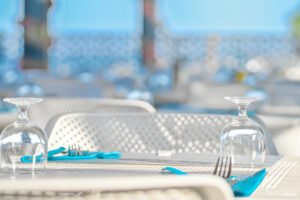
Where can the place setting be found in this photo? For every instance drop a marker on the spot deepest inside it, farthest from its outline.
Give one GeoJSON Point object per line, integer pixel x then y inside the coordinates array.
{"type": "Point", "coordinates": [241, 159]}
{"type": "Point", "coordinates": [149, 99]}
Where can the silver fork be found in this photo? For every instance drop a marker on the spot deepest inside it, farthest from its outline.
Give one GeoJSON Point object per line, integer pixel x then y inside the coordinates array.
{"type": "Point", "coordinates": [74, 150]}
{"type": "Point", "coordinates": [223, 167]}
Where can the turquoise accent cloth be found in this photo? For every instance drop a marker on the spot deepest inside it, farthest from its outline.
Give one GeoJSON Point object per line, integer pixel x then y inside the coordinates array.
{"type": "Point", "coordinates": [174, 170]}
{"type": "Point", "coordinates": [28, 159]}
{"type": "Point", "coordinates": [246, 187]}
{"type": "Point", "coordinates": [86, 155]}
{"type": "Point", "coordinates": [241, 188]}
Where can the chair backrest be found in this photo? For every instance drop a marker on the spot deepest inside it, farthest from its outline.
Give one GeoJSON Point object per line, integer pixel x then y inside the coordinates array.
{"type": "Point", "coordinates": [140, 133]}
{"type": "Point", "coordinates": [196, 187]}
{"type": "Point", "coordinates": [51, 108]}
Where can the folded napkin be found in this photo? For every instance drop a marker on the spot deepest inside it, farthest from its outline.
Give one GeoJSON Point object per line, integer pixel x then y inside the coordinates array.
{"type": "Point", "coordinates": [247, 186]}
{"type": "Point", "coordinates": [173, 170]}
{"type": "Point", "coordinates": [88, 156]}
{"type": "Point", "coordinates": [85, 155]}
{"type": "Point", "coordinates": [241, 188]}
{"type": "Point", "coordinates": [28, 159]}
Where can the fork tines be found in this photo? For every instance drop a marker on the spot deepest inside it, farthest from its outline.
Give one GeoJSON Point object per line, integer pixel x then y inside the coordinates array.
{"type": "Point", "coordinates": [74, 150]}
{"type": "Point", "coordinates": [223, 167]}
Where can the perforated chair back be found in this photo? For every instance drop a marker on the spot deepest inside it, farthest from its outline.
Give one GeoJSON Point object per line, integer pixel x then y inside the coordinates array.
{"type": "Point", "coordinates": [46, 112]}
{"type": "Point", "coordinates": [141, 133]}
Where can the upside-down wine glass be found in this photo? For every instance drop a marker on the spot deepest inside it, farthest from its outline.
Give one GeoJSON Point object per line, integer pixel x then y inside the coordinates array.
{"type": "Point", "coordinates": [243, 139]}
{"type": "Point", "coordinates": [23, 139]}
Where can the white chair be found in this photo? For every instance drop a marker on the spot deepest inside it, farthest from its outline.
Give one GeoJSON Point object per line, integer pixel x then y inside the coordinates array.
{"type": "Point", "coordinates": [197, 187]}
{"type": "Point", "coordinates": [141, 133]}
{"type": "Point", "coordinates": [47, 111]}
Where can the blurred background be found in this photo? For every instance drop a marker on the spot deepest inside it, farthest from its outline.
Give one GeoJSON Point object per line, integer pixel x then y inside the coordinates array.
{"type": "Point", "coordinates": [175, 54]}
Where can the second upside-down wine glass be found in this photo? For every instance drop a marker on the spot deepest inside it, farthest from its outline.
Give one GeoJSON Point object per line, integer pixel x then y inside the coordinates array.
{"type": "Point", "coordinates": [243, 139]}
{"type": "Point", "coordinates": [23, 139]}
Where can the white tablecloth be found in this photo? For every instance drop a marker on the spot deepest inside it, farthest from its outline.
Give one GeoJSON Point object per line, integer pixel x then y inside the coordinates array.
{"type": "Point", "coordinates": [282, 180]}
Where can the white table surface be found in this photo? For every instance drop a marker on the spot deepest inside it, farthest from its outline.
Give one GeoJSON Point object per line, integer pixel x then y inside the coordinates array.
{"type": "Point", "coordinates": [282, 180]}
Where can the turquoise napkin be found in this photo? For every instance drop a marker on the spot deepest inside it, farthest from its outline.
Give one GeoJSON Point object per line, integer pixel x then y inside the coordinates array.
{"type": "Point", "coordinates": [241, 188]}
{"type": "Point", "coordinates": [173, 170]}
{"type": "Point", "coordinates": [87, 155]}
{"type": "Point", "coordinates": [51, 153]}
{"type": "Point", "coordinates": [246, 187]}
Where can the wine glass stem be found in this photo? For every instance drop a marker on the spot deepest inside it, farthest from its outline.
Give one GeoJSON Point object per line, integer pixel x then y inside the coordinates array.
{"type": "Point", "coordinates": [243, 110]}
{"type": "Point", "coordinates": [22, 114]}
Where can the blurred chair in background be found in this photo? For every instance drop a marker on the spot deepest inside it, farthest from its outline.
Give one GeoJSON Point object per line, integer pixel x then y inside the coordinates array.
{"type": "Point", "coordinates": [143, 133]}
{"type": "Point", "coordinates": [46, 113]}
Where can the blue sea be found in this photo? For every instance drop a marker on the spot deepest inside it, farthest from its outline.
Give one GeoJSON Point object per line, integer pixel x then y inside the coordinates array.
{"type": "Point", "coordinates": [96, 33]}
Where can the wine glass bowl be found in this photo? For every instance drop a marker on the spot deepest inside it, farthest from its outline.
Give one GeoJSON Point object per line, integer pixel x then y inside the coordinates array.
{"type": "Point", "coordinates": [243, 139]}
{"type": "Point", "coordinates": [23, 138]}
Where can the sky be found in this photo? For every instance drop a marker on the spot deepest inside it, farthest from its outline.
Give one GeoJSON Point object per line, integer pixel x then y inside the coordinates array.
{"type": "Point", "coordinates": [178, 16]}
{"type": "Point", "coordinates": [8, 14]}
